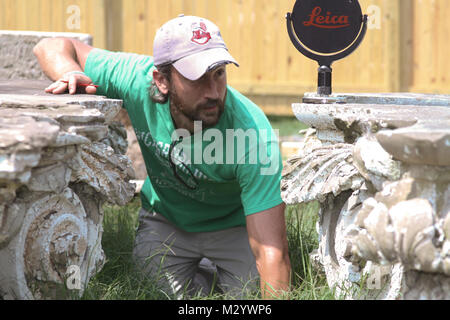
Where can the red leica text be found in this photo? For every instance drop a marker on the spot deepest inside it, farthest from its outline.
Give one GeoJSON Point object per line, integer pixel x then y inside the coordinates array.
{"type": "Point", "coordinates": [326, 22]}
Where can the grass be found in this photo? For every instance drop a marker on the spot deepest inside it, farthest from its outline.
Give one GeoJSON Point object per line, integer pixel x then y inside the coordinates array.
{"type": "Point", "coordinates": [287, 125]}
{"type": "Point", "coordinates": [118, 280]}
{"type": "Point", "coordinates": [307, 282]}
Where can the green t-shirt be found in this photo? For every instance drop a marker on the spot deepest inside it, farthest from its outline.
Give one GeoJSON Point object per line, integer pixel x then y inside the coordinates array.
{"type": "Point", "coordinates": [237, 163]}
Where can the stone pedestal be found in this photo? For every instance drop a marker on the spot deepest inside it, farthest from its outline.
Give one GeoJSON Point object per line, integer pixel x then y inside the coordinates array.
{"type": "Point", "coordinates": [380, 167]}
{"type": "Point", "coordinates": [58, 165]}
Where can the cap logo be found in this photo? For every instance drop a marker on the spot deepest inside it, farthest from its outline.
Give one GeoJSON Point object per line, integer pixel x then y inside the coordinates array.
{"type": "Point", "coordinates": [200, 35]}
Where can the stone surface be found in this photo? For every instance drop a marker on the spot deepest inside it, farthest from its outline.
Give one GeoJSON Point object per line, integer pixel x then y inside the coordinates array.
{"type": "Point", "coordinates": [394, 98]}
{"type": "Point", "coordinates": [357, 120]}
{"type": "Point", "coordinates": [379, 166]}
{"type": "Point", "coordinates": [424, 143]}
{"type": "Point", "coordinates": [56, 171]}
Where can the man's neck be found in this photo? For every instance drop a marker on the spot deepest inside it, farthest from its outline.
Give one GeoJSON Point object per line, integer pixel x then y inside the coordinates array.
{"type": "Point", "coordinates": [180, 120]}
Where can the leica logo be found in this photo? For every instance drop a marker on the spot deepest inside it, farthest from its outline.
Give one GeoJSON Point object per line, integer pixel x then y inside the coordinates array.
{"type": "Point", "coordinates": [326, 22]}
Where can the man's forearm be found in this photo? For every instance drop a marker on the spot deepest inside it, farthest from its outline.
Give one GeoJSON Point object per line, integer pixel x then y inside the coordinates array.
{"type": "Point", "coordinates": [268, 240]}
{"type": "Point", "coordinates": [274, 276]}
{"type": "Point", "coordinates": [56, 57]}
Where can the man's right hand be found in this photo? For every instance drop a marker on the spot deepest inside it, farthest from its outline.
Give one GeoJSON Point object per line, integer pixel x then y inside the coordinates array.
{"type": "Point", "coordinates": [74, 83]}
{"type": "Point", "coordinates": [63, 60]}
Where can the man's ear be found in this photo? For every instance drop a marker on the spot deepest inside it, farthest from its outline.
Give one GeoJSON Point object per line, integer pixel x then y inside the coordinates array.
{"type": "Point", "coordinates": [161, 82]}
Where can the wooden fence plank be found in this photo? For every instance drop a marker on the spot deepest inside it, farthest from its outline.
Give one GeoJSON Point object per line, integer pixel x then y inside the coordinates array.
{"type": "Point", "coordinates": [431, 47]}
{"type": "Point", "coordinates": [113, 24]}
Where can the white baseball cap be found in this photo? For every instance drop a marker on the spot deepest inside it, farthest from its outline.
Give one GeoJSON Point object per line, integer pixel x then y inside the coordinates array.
{"type": "Point", "coordinates": [192, 44]}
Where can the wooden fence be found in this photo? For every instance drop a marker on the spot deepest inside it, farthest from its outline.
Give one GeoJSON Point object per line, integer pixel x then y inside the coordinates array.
{"type": "Point", "coordinates": [406, 47]}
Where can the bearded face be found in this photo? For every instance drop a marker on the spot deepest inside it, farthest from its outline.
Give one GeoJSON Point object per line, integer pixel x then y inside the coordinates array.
{"type": "Point", "coordinates": [208, 112]}
{"type": "Point", "coordinates": [200, 100]}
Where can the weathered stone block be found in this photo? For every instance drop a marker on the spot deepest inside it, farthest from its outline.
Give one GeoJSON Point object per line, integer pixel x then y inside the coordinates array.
{"type": "Point", "coordinates": [55, 174]}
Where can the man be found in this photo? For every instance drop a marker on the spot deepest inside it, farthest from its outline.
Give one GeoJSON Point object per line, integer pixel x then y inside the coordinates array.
{"type": "Point", "coordinates": [218, 200]}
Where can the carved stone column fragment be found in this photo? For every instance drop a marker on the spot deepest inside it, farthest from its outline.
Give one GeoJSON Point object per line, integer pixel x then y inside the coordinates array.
{"type": "Point", "coordinates": [56, 172]}
{"type": "Point", "coordinates": [380, 167]}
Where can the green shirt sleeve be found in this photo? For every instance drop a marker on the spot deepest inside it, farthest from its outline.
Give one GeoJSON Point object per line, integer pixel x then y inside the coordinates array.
{"type": "Point", "coordinates": [260, 181]}
{"type": "Point", "coordinates": [118, 74]}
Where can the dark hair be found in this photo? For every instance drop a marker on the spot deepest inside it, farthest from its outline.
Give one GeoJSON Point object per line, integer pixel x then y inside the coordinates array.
{"type": "Point", "coordinates": [155, 94]}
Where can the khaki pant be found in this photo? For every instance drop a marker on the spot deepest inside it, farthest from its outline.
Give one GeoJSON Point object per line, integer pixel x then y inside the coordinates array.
{"type": "Point", "coordinates": [185, 263]}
